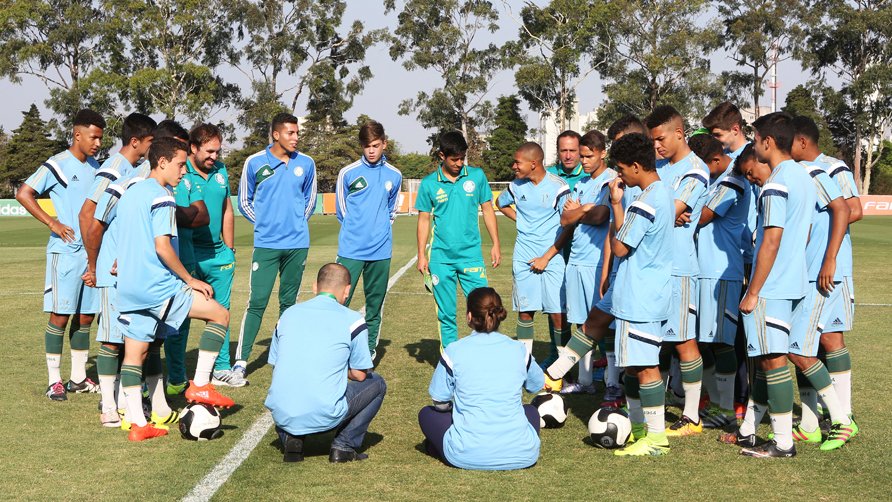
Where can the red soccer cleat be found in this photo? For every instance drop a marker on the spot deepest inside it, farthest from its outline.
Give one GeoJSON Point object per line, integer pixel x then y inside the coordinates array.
{"type": "Point", "coordinates": [207, 394]}
{"type": "Point", "coordinates": [147, 431]}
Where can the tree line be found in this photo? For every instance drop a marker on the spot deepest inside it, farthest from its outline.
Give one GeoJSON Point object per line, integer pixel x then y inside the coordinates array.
{"type": "Point", "coordinates": [170, 58]}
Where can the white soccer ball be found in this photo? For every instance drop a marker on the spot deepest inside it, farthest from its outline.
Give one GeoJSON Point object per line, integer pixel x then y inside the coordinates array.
{"type": "Point", "coordinates": [200, 422]}
{"type": "Point", "coordinates": [552, 410]}
{"type": "Point", "coordinates": [610, 427]}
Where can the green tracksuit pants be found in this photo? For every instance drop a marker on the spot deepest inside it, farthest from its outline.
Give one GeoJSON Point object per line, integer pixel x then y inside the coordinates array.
{"type": "Point", "coordinates": [445, 278]}
{"type": "Point", "coordinates": [374, 283]}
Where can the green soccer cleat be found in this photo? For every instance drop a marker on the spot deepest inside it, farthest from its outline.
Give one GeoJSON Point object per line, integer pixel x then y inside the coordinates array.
{"type": "Point", "coordinates": [714, 417]}
{"type": "Point", "coordinates": [648, 446]}
{"type": "Point", "coordinates": [840, 434]}
{"type": "Point", "coordinates": [803, 436]}
{"type": "Point", "coordinates": [175, 389]}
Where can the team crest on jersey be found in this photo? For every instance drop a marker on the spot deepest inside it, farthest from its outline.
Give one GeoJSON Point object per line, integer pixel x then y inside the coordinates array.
{"type": "Point", "coordinates": [434, 279]}
{"type": "Point", "coordinates": [388, 185]}
{"type": "Point", "coordinates": [469, 186]}
{"type": "Point", "coordinates": [358, 185]}
{"type": "Point", "coordinates": [219, 178]}
{"type": "Point", "coordinates": [187, 184]}
{"type": "Point", "coordinates": [298, 171]}
{"type": "Point", "coordinates": [255, 266]}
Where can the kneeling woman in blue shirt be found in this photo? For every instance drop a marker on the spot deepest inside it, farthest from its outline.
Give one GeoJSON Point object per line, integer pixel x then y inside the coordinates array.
{"type": "Point", "coordinates": [478, 420]}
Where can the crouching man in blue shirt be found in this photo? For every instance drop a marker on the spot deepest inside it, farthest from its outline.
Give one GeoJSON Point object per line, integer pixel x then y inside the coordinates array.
{"type": "Point", "coordinates": [321, 372]}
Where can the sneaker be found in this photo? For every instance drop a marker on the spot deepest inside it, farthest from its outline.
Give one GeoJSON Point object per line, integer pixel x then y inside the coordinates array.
{"type": "Point", "coordinates": [768, 450]}
{"type": "Point", "coordinates": [293, 447]}
{"type": "Point", "coordinates": [578, 388]}
{"type": "Point", "coordinates": [552, 385]}
{"type": "Point", "coordinates": [207, 394]}
{"type": "Point", "coordinates": [147, 431]}
{"type": "Point", "coordinates": [684, 427]}
{"type": "Point", "coordinates": [714, 417]}
{"type": "Point", "coordinates": [736, 438]}
{"type": "Point", "coordinates": [646, 446]}
{"type": "Point", "coordinates": [175, 389]}
{"type": "Point", "coordinates": [57, 392]}
{"type": "Point", "coordinates": [86, 387]}
{"type": "Point", "coordinates": [800, 434]}
{"type": "Point", "coordinates": [164, 422]}
{"type": "Point", "coordinates": [239, 369]}
{"type": "Point", "coordinates": [110, 419]}
{"type": "Point", "coordinates": [840, 434]}
{"type": "Point", "coordinates": [220, 378]}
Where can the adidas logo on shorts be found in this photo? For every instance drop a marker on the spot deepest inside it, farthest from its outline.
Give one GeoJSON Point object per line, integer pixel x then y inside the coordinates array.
{"type": "Point", "coordinates": [671, 332]}
{"type": "Point", "coordinates": [74, 178]}
{"type": "Point", "coordinates": [794, 345]}
{"type": "Point", "coordinates": [750, 348]}
{"type": "Point", "coordinates": [836, 322]}
{"type": "Point", "coordinates": [523, 197]}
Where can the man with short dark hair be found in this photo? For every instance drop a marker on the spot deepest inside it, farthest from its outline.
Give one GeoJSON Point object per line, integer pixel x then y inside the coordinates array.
{"type": "Point", "coordinates": [323, 347]}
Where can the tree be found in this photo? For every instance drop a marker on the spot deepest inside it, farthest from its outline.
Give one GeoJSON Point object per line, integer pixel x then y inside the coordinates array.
{"type": "Point", "coordinates": [853, 41]}
{"type": "Point", "coordinates": [510, 132]}
{"type": "Point", "coordinates": [557, 39]}
{"type": "Point", "coordinates": [414, 165]}
{"type": "Point", "coordinates": [29, 145]}
{"type": "Point", "coordinates": [659, 55]}
{"type": "Point", "coordinates": [882, 179]}
{"type": "Point", "coordinates": [760, 33]}
{"type": "Point", "coordinates": [800, 101]}
{"type": "Point", "coordinates": [441, 35]}
{"type": "Point", "coordinates": [332, 147]}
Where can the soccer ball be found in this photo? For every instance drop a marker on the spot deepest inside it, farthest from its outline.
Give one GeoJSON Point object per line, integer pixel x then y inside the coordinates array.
{"type": "Point", "coordinates": [200, 422]}
{"type": "Point", "coordinates": [610, 427]}
{"type": "Point", "coordinates": [552, 410]}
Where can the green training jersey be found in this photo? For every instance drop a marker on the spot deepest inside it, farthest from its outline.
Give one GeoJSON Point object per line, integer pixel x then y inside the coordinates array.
{"type": "Point", "coordinates": [184, 195]}
{"type": "Point", "coordinates": [453, 205]}
{"type": "Point", "coordinates": [572, 177]}
{"type": "Point", "coordinates": [215, 191]}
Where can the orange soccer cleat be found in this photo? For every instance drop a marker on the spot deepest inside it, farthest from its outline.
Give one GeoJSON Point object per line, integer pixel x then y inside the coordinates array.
{"type": "Point", "coordinates": [207, 394]}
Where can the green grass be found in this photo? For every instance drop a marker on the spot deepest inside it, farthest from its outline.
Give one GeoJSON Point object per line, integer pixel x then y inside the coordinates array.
{"type": "Point", "coordinates": [59, 450]}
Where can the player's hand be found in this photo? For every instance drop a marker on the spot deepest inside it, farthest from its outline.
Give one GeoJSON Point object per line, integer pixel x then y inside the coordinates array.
{"type": "Point", "coordinates": [64, 232]}
{"type": "Point", "coordinates": [825, 276]}
{"type": "Point", "coordinates": [202, 287]}
{"type": "Point", "coordinates": [422, 264]}
{"type": "Point", "coordinates": [496, 255]}
{"type": "Point", "coordinates": [683, 219]}
{"type": "Point", "coordinates": [114, 269]}
{"type": "Point", "coordinates": [539, 264]}
{"type": "Point", "coordinates": [89, 278]}
{"type": "Point", "coordinates": [748, 304]}
{"type": "Point", "coordinates": [617, 188]}
{"type": "Point", "coordinates": [571, 204]}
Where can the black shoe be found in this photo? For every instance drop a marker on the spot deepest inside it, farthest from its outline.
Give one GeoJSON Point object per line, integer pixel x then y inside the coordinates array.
{"type": "Point", "coordinates": [337, 456]}
{"type": "Point", "coordinates": [294, 448]}
{"type": "Point", "coordinates": [736, 438]}
{"type": "Point", "coordinates": [769, 450]}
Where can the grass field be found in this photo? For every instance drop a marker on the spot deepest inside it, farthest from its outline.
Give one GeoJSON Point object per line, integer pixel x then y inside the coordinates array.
{"type": "Point", "coordinates": [59, 450]}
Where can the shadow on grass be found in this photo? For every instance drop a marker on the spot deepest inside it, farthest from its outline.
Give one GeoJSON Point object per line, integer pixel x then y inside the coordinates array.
{"type": "Point", "coordinates": [425, 351]}
{"type": "Point", "coordinates": [320, 444]}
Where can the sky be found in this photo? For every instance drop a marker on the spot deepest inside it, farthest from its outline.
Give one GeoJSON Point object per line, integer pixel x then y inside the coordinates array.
{"type": "Point", "coordinates": [391, 83]}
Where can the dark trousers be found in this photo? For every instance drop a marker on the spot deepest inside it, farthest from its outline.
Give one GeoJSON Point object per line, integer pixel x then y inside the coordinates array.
{"type": "Point", "coordinates": [434, 425]}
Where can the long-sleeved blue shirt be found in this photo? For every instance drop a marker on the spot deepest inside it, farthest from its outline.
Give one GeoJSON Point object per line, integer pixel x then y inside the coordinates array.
{"type": "Point", "coordinates": [367, 196]}
{"type": "Point", "coordinates": [278, 198]}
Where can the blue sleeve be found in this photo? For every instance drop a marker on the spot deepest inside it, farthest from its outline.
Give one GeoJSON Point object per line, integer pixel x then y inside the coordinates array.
{"type": "Point", "coordinates": [106, 207]}
{"type": "Point", "coordinates": [845, 179]}
{"type": "Point", "coordinates": [725, 195]}
{"type": "Point", "coordinates": [341, 196]}
{"type": "Point", "coordinates": [773, 201]}
{"type": "Point", "coordinates": [535, 380]}
{"type": "Point", "coordinates": [423, 202]}
{"type": "Point", "coordinates": [506, 198]}
{"type": "Point", "coordinates": [639, 218]}
{"type": "Point", "coordinates": [274, 347]}
{"type": "Point", "coordinates": [360, 357]}
{"type": "Point", "coordinates": [46, 177]}
{"type": "Point", "coordinates": [246, 193]}
{"type": "Point", "coordinates": [394, 197]}
{"type": "Point", "coordinates": [164, 216]}
{"type": "Point", "coordinates": [561, 199]}
{"type": "Point", "coordinates": [442, 386]}
{"type": "Point", "coordinates": [309, 190]}
{"type": "Point", "coordinates": [827, 189]}
{"type": "Point", "coordinates": [691, 187]}
{"type": "Point", "coordinates": [103, 179]}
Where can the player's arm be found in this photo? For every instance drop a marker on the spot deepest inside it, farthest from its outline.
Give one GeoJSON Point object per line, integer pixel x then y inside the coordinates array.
{"type": "Point", "coordinates": [194, 215]}
{"type": "Point", "coordinates": [492, 228]}
{"type": "Point", "coordinates": [246, 193]}
{"type": "Point", "coordinates": [539, 264]}
{"type": "Point", "coordinates": [423, 231]}
{"type": "Point", "coordinates": [504, 203]}
{"type": "Point", "coordinates": [442, 387]}
{"type": "Point", "coordinates": [228, 230]}
{"type": "Point", "coordinates": [27, 197]}
{"type": "Point", "coordinates": [92, 234]}
{"type": "Point", "coordinates": [771, 239]}
{"type": "Point", "coordinates": [855, 211]}
{"type": "Point", "coordinates": [169, 257]}
{"type": "Point", "coordinates": [606, 265]}
{"type": "Point", "coordinates": [509, 211]}
{"type": "Point", "coordinates": [617, 246]}
{"type": "Point", "coordinates": [309, 190]}
{"type": "Point", "coordinates": [839, 223]}
{"type": "Point", "coordinates": [394, 198]}
{"type": "Point", "coordinates": [85, 219]}
{"type": "Point", "coordinates": [360, 362]}
{"type": "Point", "coordinates": [846, 182]}
{"type": "Point", "coordinates": [535, 379]}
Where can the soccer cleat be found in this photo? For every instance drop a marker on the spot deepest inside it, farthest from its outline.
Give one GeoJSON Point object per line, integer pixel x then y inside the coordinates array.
{"type": "Point", "coordinates": [736, 438]}
{"type": "Point", "coordinates": [552, 385]}
{"type": "Point", "coordinates": [86, 387]}
{"type": "Point", "coordinates": [613, 397]}
{"type": "Point", "coordinates": [147, 431]}
{"type": "Point", "coordinates": [740, 410]}
{"type": "Point", "coordinates": [57, 392]}
{"type": "Point", "coordinates": [684, 427]}
{"type": "Point", "coordinates": [768, 450]}
{"type": "Point", "coordinates": [714, 417]}
{"type": "Point", "coordinates": [207, 394]}
{"type": "Point", "coordinates": [840, 434]}
{"type": "Point", "coordinates": [175, 389]}
{"type": "Point", "coordinates": [639, 431]}
{"type": "Point", "coordinates": [578, 388]}
{"type": "Point", "coordinates": [648, 446]}
{"type": "Point", "coordinates": [164, 422]}
{"type": "Point", "coordinates": [800, 434]}
{"type": "Point", "coordinates": [110, 419]}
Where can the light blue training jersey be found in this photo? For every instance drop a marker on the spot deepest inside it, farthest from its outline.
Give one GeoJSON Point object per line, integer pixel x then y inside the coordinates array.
{"type": "Point", "coordinates": [718, 242]}
{"type": "Point", "coordinates": [842, 175]}
{"type": "Point", "coordinates": [826, 191]}
{"type": "Point", "coordinates": [114, 168]}
{"type": "Point", "coordinates": [366, 197]}
{"type": "Point", "coordinates": [313, 346]}
{"type": "Point", "coordinates": [278, 198]}
{"type": "Point", "coordinates": [539, 208]}
{"type": "Point", "coordinates": [106, 212]}
{"type": "Point", "coordinates": [688, 178]}
{"type": "Point", "coordinates": [643, 280]}
{"type": "Point", "coordinates": [587, 248]}
{"type": "Point", "coordinates": [68, 182]}
{"type": "Point", "coordinates": [787, 200]}
{"type": "Point", "coordinates": [149, 211]}
{"type": "Point", "coordinates": [483, 375]}
{"type": "Point", "coordinates": [747, 239]}
{"type": "Point", "coordinates": [629, 196]}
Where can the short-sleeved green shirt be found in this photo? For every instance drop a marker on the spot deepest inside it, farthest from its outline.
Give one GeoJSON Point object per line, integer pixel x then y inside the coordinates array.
{"type": "Point", "coordinates": [215, 192]}
{"type": "Point", "coordinates": [185, 194]}
{"type": "Point", "coordinates": [572, 177]}
{"type": "Point", "coordinates": [455, 233]}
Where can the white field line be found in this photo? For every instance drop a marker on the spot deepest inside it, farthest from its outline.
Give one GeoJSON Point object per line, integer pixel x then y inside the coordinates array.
{"type": "Point", "coordinates": [220, 473]}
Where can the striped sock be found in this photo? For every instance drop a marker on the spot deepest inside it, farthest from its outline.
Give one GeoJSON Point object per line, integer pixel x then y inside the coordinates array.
{"type": "Point", "coordinates": [208, 348]}
{"type": "Point", "coordinates": [80, 351]}
{"type": "Point", "coordinates": [692, 381]}
{"type": "Point", "coordinates": [53, 340]}
{"type": "Point", "coordinates": [780, 405]}
{"type": "Point", "coordinates": [131, 383]}
{"type": "Point", "coordinates": [819, 377]}
{"type": "Point", "coordinates": [725, 374]}
{"type": "Point", "coordinates": [653, 400]}
{"type": "Point", "coordinates": [107, 369]}
{"type": "Point", "coordinates": [839, 364]}
{"type": "Point", "coordinates": [578, 348]}
{"type": "Point", "coordinates": [756, 406]}
{"type": "Point", "coordinates": [525, 333]}
{"type": "Point", "coordinates": [633, 399]}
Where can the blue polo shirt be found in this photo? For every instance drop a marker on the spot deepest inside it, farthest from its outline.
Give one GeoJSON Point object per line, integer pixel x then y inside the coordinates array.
{"type": "Point", "coordinates": [314, 344]}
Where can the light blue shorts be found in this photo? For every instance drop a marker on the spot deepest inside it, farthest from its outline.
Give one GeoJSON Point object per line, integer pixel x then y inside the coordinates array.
{"type": "Point", "coordinates": [109, 330]}
{"type": "Point", "coordinates": [769, 325]}
{"type": "Point", "coordinates": [839, 309]}
{"type": "Point", "coordinates": [805, 334]}
{"type": "Point", "coordinates": [160, 321]}
{"type": "Point", "coordinates": [582, 285]}
{"type": "Point", "coordinates": [65, 291]}
{"type": "Point", "coordinates": [638, 343]}
{"type": "Point", "coordinates": [718, 310]}
{"type": "Point", "coordinates": [682, 323]}
{"type": "Point", "coordinates": [539, 292]}
{"type": "Point", "coordinates": [605, 304]}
